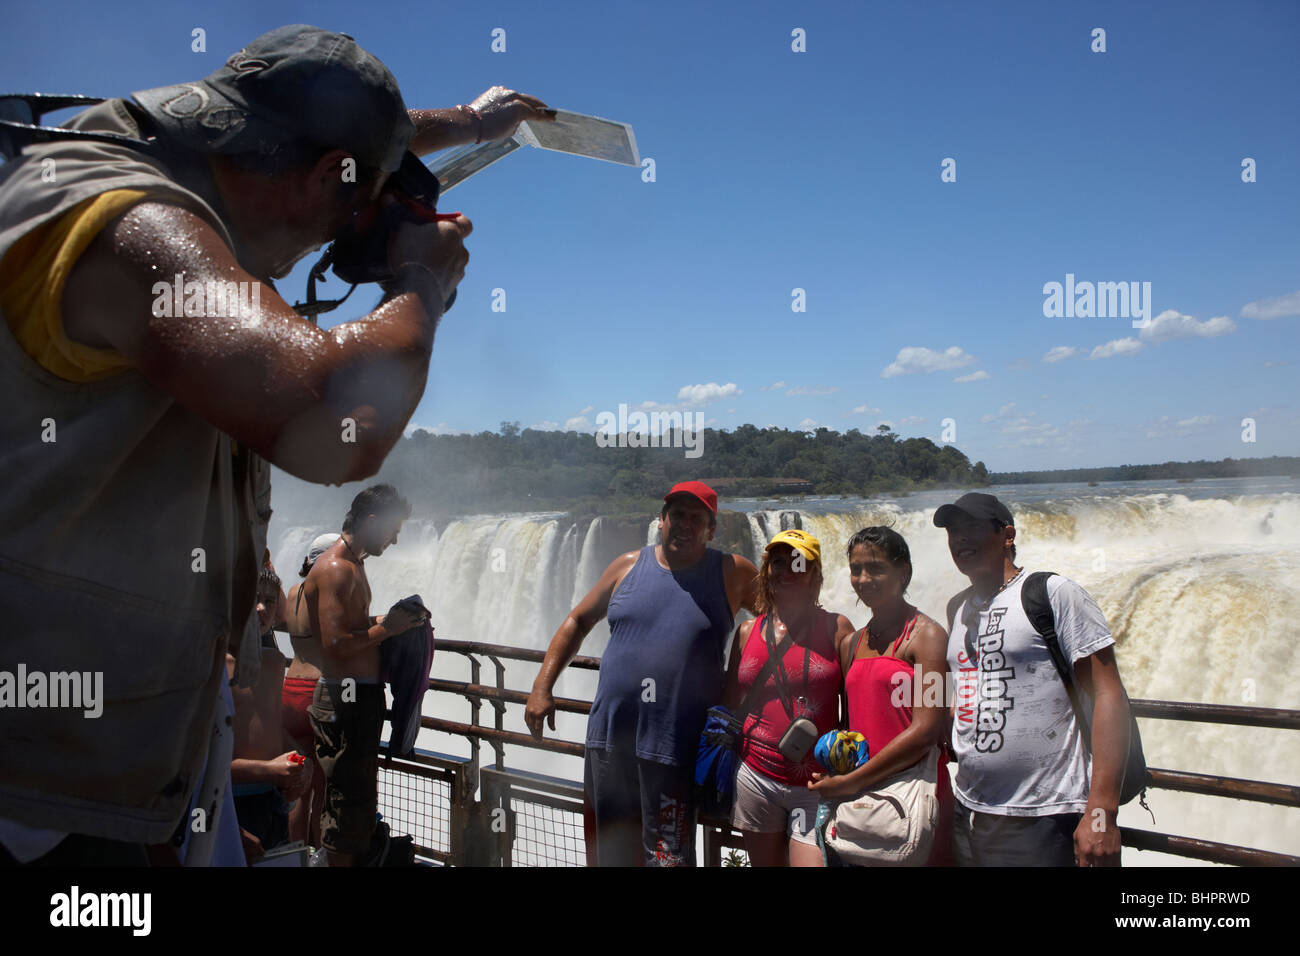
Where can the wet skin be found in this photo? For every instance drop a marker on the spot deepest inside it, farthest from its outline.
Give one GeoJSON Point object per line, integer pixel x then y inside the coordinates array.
{"type": "Point", "coordinates": [272, 381]}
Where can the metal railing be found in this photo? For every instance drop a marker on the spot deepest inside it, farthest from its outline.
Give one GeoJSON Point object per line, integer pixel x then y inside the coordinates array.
{"type": "Point", "coordinates": [528, 819]}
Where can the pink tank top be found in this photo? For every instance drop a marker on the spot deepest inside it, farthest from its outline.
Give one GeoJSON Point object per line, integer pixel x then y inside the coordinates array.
{"type": "Point", "coordinates": [769, 720]}
{"type": "Point", "coordinates": [872, 690]}
{"type": "Point", "coordinates": [880, 708]}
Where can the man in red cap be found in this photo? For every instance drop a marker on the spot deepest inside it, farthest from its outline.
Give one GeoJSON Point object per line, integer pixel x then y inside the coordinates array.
{"type": "Point", "coordinates": [671, 607]}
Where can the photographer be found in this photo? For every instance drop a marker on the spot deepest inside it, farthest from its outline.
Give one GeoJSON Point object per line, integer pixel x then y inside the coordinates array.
{"type": "Point", "coordinates": [130, 414]}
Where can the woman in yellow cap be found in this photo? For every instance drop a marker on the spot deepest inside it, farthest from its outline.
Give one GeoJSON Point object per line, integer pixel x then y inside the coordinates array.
{"type": "Point", "coordinates": [774, 808]}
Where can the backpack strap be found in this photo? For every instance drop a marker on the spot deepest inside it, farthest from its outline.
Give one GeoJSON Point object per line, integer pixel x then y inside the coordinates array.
{"type": "Point", "coordinates": [1033, 598]}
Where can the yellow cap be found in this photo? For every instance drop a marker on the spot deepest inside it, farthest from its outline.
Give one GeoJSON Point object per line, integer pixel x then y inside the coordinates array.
{"type": "Point", "coordinates": [801, 541]}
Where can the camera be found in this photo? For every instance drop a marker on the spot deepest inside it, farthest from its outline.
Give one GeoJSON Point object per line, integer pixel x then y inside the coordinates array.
{"type": "Point", "coordinates": [361, 253]}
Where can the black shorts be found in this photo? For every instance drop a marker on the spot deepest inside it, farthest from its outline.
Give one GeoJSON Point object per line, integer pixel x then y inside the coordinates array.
{"type": "Point", "coordinates": [988, 839]}
{"type": "Point", "coordinates": [347, 748]}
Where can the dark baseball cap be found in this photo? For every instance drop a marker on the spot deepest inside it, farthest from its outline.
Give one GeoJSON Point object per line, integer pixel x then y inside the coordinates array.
{"type": "Point", "coordinates": [294, 83]}
{"type": "Point", "coordinates": [977, 505]}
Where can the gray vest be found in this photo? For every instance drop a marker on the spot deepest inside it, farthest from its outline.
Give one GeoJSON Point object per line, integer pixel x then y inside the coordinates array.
{"type": "Point", "coordinates": [100, 567]}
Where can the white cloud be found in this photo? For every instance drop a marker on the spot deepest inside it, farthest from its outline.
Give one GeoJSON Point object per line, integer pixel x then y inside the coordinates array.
{"type": "Point", "coordinates": [1278, 364]}
{"type": "Point", "coordinates": [865, 410]}
{"type": "Point", "coordinates": [579, 423]}
{"type": "Point", "coordinates": [648, 406]}
{"type": "Point", "coordinates": [918, 360]}
{"type": "Point", "coordinates": [1030, 433]}
{"type": "Point", "coordinates": [813, 390]}
{"type": "Point", "coordinates": [545, 426]}
{"type": "Point", "coordinates": [1170, 325]}
{"type": "Point", "coordinates": [808, 424]}
{"type": "Point", "coordinates": [442, 428]}
{"type": "Point", "coordinates": [588, 410]}
{"type": "Point", "coordinates": [1004, 412]}
{"type": "Point", "coordinates": [775, 386]}
{"type": "Point", "coordinates": [979, 376]}
{"type": "Point", "coordinates": [1062, 352]}
{"type": "Point", "coordinates": [912, 420]}
{"type": "Point", "coordinates": [1117, 347]}
{"type": "Point", "coordinates": [1166, 427]}
{"type": "Point", "coordinates": [707, 394]}
{"type": "Point", "coordinates": [1277, 308]}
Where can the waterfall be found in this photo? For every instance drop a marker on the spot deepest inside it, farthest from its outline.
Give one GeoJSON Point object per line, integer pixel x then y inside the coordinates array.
{"type": "Point", "coordinates": [1202, 596]}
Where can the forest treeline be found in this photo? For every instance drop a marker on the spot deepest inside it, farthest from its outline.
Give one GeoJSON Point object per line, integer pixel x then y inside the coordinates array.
{"type": "Point", "coordinates": [525, 469]}
{"type": "Point", "coordinates": [1276, 466]}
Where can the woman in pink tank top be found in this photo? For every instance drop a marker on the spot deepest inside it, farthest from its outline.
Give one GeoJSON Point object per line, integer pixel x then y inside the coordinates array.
{"type": "Point", "coordinates": [896, 672]}
{"type": "Point", "coordinates": [774, 808]}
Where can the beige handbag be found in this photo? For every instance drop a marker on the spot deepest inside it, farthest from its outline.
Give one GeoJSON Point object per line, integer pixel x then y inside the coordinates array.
{"type": "Point", "coordinates": [892, 824]}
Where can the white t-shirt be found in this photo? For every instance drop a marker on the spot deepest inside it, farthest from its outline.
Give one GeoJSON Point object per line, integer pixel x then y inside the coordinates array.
{"type": "Point", "coordinates": [1019, 749]}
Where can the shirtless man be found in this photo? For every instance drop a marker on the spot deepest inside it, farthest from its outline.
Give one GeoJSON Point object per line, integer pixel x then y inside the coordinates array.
{"type": "Point", "coordinates": [265, 770]}
{"type": "Point", "coordinates": [299, 685]}
{"type": "Point", "coordinates": [669, 626]}
{"type": "Point", "coordinates": [347, 709]}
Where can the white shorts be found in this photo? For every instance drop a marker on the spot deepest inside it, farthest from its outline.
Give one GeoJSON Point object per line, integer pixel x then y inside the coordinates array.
{"type": "Point", "coordinates": [765, 806]}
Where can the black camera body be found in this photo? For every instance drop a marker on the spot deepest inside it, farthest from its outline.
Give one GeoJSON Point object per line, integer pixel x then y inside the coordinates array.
{"type": "Point", "coordinates": [361, 254]}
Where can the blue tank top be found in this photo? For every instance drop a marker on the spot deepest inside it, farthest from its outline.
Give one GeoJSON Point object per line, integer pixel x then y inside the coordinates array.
{"type": "Point", "coordinates": [669, 627]}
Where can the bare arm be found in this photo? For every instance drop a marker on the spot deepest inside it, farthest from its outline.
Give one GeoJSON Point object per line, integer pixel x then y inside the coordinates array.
{"type": "Point", "coordinates": [272, 381]}
{"type": "Point", "coordinates": [742, 583]}
{"type": "Point", "coordinates": [731, 696]}
{"type": "Point", "coordinates": [499, 113]}
{"type": "Point", "coordinates": [568, 639]}
{"type": "Point", "coordinates": [279, 620]}
{"type": "Point", "coordinates": [1097, 839]}
{"type": "Point", "coordinates": [844, 631]}
{"type": "Point", "coordinates": [930, 645]}
{"type": "Point", "coordinates": [329, 609]}
{"type": "Point", "coordinates": [281, 771]}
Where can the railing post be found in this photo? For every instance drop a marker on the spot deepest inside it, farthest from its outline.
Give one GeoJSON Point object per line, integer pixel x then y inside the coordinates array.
{"type": "Point", "coordinates": [500, 707]}
{"type": "Point", "coordinates": [474, 702]}
{"type": "Point", "coordinates": [712, 846]}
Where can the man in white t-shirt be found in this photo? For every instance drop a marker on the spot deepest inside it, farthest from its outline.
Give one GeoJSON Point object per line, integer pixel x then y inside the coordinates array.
{"type": "Point", "coordinates": [1028, 792]}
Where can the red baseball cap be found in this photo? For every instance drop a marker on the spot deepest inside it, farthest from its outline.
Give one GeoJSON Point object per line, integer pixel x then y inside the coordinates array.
{"type": "Point", "coordinates": [699, 490]}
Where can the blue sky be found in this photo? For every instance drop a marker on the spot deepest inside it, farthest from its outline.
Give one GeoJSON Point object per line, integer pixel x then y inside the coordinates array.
{"type": "Point", "coordinates": [820, 170]}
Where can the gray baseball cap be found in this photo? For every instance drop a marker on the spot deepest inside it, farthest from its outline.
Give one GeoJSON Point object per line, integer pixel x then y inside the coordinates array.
{"type": "Point", "coordinates": [294, 83]}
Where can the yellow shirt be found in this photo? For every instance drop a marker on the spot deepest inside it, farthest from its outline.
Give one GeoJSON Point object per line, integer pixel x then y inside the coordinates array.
{"type": "Point", "coordinates": [32, 276]}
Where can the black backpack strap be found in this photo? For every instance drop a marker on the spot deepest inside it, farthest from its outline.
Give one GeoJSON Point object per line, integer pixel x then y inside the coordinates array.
{"type": "Point", "coordinates": [1033, 598]}
{"type": "Point", "coordinates": [761, 679]}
